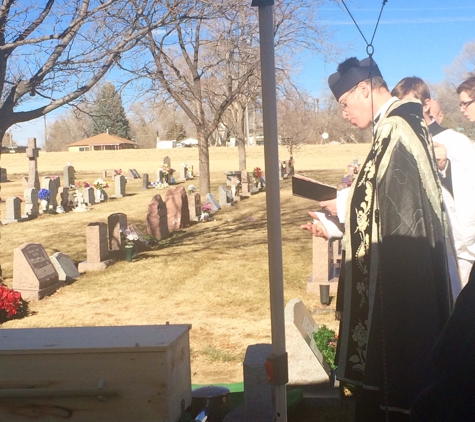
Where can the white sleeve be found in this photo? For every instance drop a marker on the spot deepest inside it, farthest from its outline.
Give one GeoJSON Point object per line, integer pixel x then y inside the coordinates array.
{"type": "Point", "coordinates": [341, 198]}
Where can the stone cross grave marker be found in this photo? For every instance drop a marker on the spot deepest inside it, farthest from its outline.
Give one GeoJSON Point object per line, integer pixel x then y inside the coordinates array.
{"type": "Point", "coordinates": [97, 251]}
{"type": "Point", "coordinates": [69, 176]}
{"type": "Point", "coordinates": [157, 224]}
{"type": "Point", "coordinates": [32, 209]}
{"type": "Point", "coordinates": [67, 271]}
{"type": "Point", "coordinates": [176, 203]}
{"type": "Point", "coordinates": [119, 186]}
{"type": "Point", "coordinates": [116, 223]}
{"type": "Point", "coordinates": [32, 153]}
{"type": "Point", "coordinates": [3, 175]}
{"type": "Point", "coordinates": [34, 276]}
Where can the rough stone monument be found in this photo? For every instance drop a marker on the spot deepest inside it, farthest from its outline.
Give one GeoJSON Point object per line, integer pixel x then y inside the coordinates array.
{"type": "Point", "coordinates": [178, 214]}
{"type": "Point", "coordinates": [34, 276]}
{"type": "Point", "coordinates": [157, 224]}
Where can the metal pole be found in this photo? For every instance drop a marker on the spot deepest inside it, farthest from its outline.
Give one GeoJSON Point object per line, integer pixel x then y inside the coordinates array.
{"type": "Point", "coordinates": [274, 232]}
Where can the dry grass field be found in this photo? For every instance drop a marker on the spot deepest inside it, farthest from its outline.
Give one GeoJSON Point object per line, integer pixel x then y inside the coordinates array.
{"type": "Point", "coordinates": [212, 275]}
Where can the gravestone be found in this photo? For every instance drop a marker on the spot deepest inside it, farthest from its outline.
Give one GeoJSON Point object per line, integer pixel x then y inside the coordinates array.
{"type": "Point", "coordinates": [183, 172]}
{"type": "Point", "coordinates": [167, 161]}
{"type": "Point", "coordinates": [13, 210]}
{"type": "Point", "coordinates": [69, 176]}
{"type": "Point", "coordinates": [119, 186]}
{"type": "Point", "coordinates": [307, 368]}
{"type": "Point", "coordinates": [104, 174]}
{"type": "Point", "coordinates": [235, 189]}
{"type": "Point", "coordinates": [64, 266]}
{"type": "Point", "coordinates": [145, 181]}
{"type": "Point", "coordinates": [178, 215]}
{"type": "Point", "coordinates": [52, 186]}
{"type": "Point", "coordinates": [32, 153]}
{"type": "Point", "coordinates": [31, 203]}
{"type": "Point", "coordinates": [34, 276]}
{"type": "Point", "coordinates": [64, 198]}
{"type": "Point", "coordinates": [326, 261]}
{"type": "Point", "coordinates": [3, 175]}
{"type": "Point", "coordinates": [245, 184]}
{"type": "Point", "coordinates": [133, 174]}
{"type": "Point", "coordinates": [116, 223]}
{"type": "Point", "coordinates": [189, 172]}
{"type": "Point", "coordinates": [97, 251]}
{"type": "Point", "coordinates": [89, 195]}
{"type": "Point", "coordinates": [157, 224]}
{"type": "Point", "coordinates": [225, 197]}
{"type": "Point", "coordinates": [214, 203]}
{"type": "Point", "coordinates": [280, 170]}
{"type": "Point", "coordinates": [24, 181]}
{"type": "Point", "coordinates": [194, 206]}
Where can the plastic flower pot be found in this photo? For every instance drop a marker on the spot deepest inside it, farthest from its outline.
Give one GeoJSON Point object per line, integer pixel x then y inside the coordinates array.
{"type": "Point", "coordinates": [129, 252]}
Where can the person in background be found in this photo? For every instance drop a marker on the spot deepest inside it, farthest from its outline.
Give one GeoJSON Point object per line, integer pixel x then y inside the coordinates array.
{"type": "Point", "coordinates": [466, 92]}
{"type": "Point", "coordinates": [394, 292]}
{"type": "Point", "coordinates": [455, 161]}
{"type": "Point", "coordinates": [436, 112]}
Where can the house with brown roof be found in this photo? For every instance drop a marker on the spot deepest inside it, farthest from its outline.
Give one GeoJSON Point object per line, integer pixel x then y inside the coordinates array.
{"type": "Point", "coordinates": [101, 142]}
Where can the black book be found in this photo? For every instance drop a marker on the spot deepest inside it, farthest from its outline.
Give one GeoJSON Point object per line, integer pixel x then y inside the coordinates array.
{"type": "Point", "coordinates": [312, 189]}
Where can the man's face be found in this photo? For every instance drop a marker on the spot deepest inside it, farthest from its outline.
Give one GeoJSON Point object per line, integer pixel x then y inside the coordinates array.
{"type": "Point", "coordinates": [355, 107]}
{"type": "Point", "coordinates": [467, 106]}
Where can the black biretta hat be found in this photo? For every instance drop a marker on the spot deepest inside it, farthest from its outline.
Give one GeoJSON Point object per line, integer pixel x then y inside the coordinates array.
{"type": "Point", "coordinates": [340, 83]}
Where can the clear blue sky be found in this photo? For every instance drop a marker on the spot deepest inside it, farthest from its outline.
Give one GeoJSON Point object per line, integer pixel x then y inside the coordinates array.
{"type": "Point", "coordinates": [418, 38]}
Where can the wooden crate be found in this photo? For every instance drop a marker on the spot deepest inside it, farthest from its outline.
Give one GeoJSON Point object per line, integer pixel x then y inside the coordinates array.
{"type": "Point", "coordinates": [127, 373]}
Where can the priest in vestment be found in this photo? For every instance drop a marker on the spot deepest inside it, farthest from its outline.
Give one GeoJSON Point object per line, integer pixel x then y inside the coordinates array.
{"type": "Point", "coordinates": [394, 292]}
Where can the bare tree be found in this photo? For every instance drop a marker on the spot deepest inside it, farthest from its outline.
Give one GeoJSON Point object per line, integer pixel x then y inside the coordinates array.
{"type": "Point", "coordinates": [52, 52]}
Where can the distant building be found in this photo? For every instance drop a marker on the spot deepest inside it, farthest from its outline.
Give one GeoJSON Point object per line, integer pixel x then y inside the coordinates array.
{"type": "Point", "coordinates": [13, 149]}
{"type": "Point", "coordinates": [101, 142]}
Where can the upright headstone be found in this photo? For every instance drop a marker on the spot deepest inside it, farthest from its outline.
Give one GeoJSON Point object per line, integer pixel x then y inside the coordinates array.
{"type": "Point", "coordinates": [145, 181]}
{"type": "Point", "coordinates": [32, 154]}
{"type": "Point", "coordinates": [119, 186]}
{"type": "Point", "coordinates": [116, 223]}
{"type": "Point", "coordinates": [214, 203]}
{"type": "Point", "coordinates": [13, 210]}
{"type": "Point", "coordinates": [3, 175]}
{"type": "Point", "coordinates": [194, 206]}
{"type": "Point", "coordinates": [89, 195]}
{"type": "Point", "coordinates": [225, 197]}
{"type": "Point", "coordinates": [157, 224]}
{"type": "Point", "coordinates": [64, 198]}
{"type": "Point", "coordinates": [133, 174]}
{"type": "Point", "coordinates": [67, 271]}
{"type": "Point", "coordinates": [280, 171]}
{"type": "Point", "coordinates": [34, 276]}
{"type": "Point", "coordinates": [32, 209]}
{"type": "Point", "coordinates": [104, 174]}
{"type": "Point", "coordinates": [97, 251]}
{"type": "Point", "coordinates": [245, 184]}
{"type": "Point", "coordinates": [69, 176]}
{"type": "Point", "coordinates": [167, 161]}
{"type": "Point", "coordinates": [178, 215]}
{"type": "Point", "coordinates": [52, 186]}
{"type": "Point", "coordinates": [183, 172]}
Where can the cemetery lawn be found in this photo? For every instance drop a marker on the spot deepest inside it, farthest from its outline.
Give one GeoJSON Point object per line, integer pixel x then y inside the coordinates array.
{"type": "Point", "coordinates": [211, 275]}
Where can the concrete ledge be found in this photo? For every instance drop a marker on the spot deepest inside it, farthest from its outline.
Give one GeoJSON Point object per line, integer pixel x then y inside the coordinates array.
{"type": "Point", "coordinates": [85, 266]}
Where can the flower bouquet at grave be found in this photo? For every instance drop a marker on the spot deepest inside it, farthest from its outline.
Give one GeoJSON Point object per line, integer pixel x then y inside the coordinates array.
{"type": "Point", "coordinates": [192, 189]}
{"type": "Point", "coordinates": [205, 211]}
{"type": "Point", "coordinates": [11, 304]}
{"type": "Point", "coordinates": [100, 184]}
{"type": "Point", "coordinates": [43, 194]}
{"type": "Point", "coordinates": [326, 341]}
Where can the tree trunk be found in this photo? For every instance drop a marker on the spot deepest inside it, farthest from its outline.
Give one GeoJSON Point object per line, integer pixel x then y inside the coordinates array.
{"type": "Point", "coordinates": [241, 144]}
{"type": "Point", "coordinates": [204, 162]}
